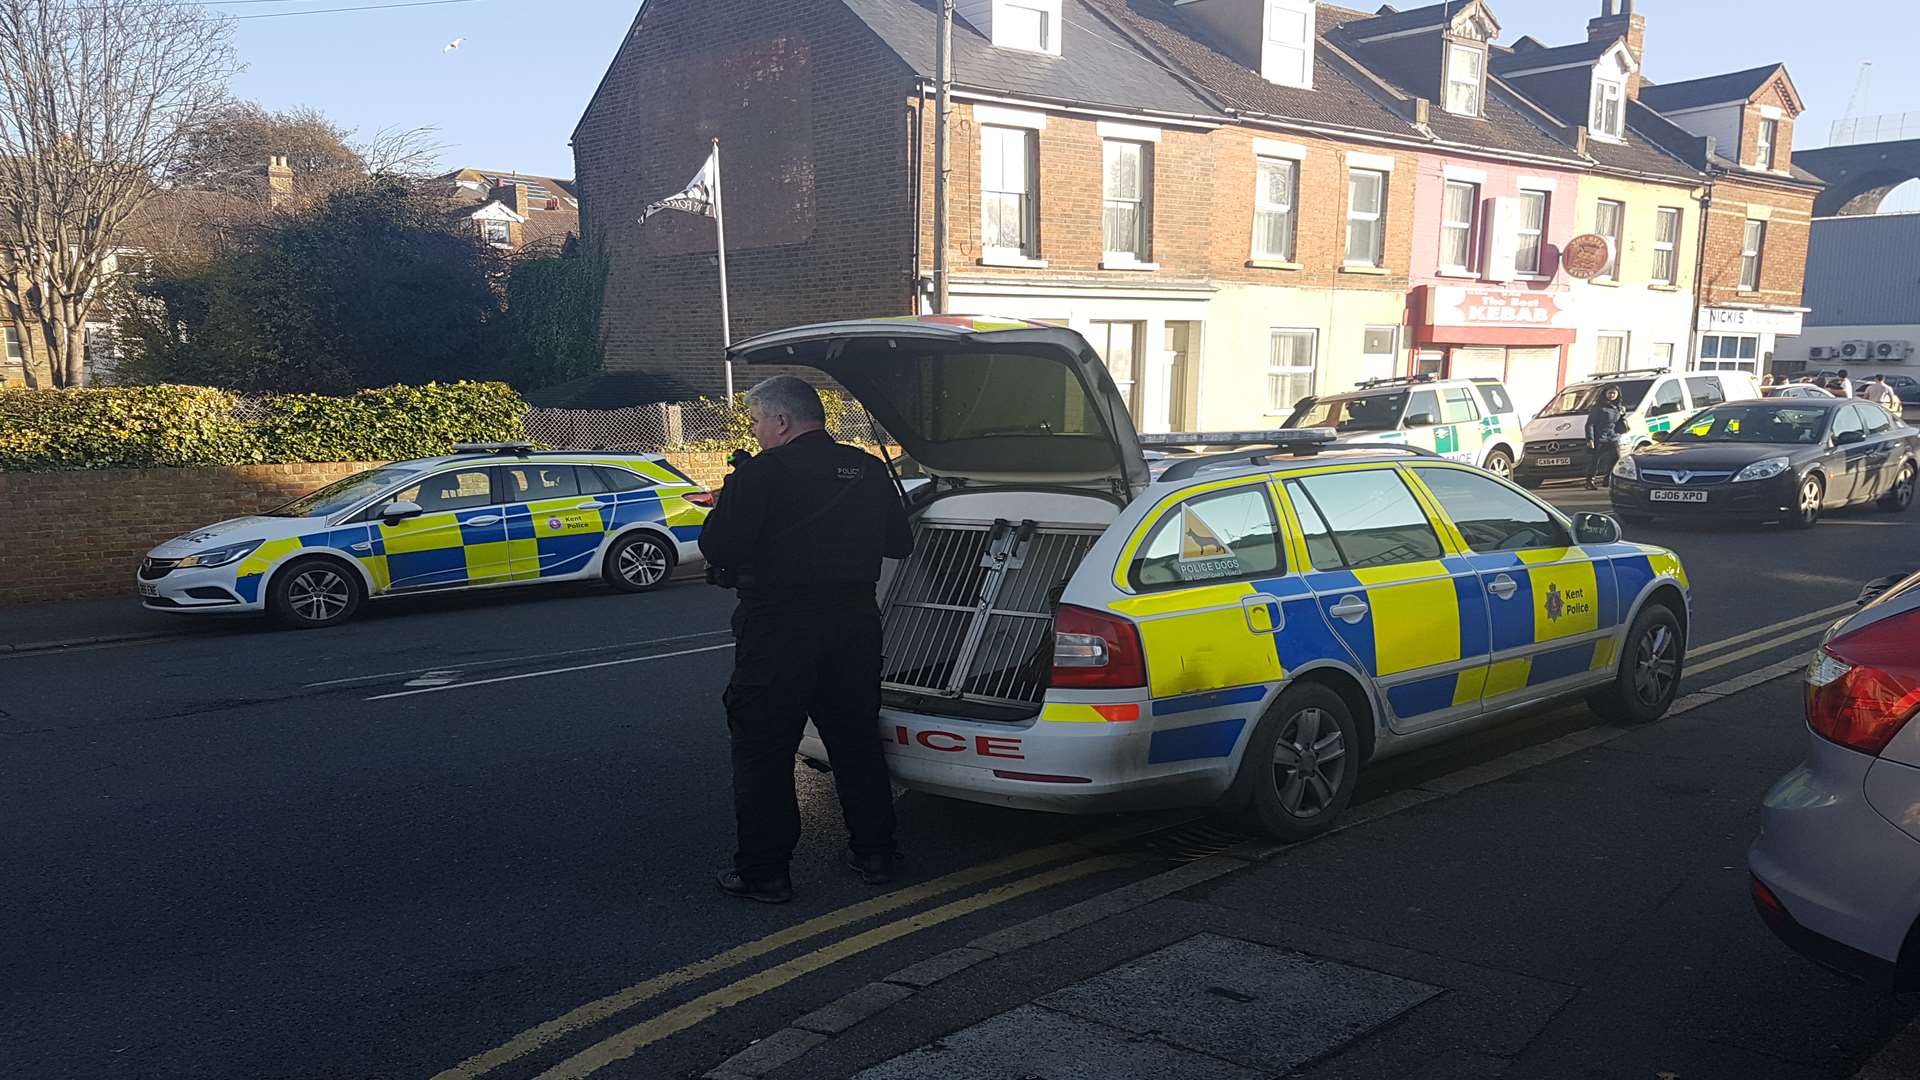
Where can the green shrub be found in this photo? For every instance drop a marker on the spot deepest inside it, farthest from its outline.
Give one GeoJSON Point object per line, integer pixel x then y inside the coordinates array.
{"type": "Point", "coordinates": [159, 426]}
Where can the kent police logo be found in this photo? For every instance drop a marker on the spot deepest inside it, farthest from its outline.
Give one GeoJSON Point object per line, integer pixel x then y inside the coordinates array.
{"type": "Point", "coordinates": [1555, 605]}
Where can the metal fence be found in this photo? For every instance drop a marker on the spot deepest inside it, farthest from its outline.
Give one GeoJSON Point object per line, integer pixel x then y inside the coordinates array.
{"type": "Point", "coordinates": [675, 425]}
{"type": "Point", "coordinates": [1887, 127]}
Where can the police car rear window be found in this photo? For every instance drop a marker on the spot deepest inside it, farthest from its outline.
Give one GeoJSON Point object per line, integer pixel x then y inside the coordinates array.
{"type": "Point", "coordinates": [1374, 518]}
{"type": "Point", "coordinates": [1219, 536]}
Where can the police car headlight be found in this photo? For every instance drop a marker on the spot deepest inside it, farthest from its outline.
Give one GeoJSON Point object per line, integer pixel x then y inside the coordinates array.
{"type": "Point", "coordinates": [1625, 469]}
{"type": "Point", "coordinates": [1762, 470]}
{"type": "Point", "coordinates": [220, 556]}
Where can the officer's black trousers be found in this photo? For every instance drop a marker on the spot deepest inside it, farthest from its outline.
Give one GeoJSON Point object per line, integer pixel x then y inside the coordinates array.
{"type": "Point", "coordinates": [1605, 456]}
{"type": "Point", "coordinates": [793, 661]}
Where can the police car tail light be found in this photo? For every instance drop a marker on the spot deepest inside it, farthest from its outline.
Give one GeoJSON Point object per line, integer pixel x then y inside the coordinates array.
{"type": "Point", "coordinates": [1092, 650]}
{"type": "Point", "coordinates": [700, 498]}
{"type": "Point", "coordinates": [1864, 686]}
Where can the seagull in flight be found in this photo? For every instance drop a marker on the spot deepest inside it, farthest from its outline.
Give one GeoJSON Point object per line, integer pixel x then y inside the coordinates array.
{"type": "Point", "coordinates": [454, 44]}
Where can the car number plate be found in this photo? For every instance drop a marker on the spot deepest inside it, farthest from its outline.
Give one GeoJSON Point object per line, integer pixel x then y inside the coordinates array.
{"type": "Point", "coordinates": [149, 590]}
{"type": "Point", "coordinates": [1546, 462]}
{"type": "Point", "coordinates": [1678, 496]}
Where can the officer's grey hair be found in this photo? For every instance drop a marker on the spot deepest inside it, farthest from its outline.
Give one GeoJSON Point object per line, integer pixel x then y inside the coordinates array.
{"type": "Point", "coordinates": [788, 396]}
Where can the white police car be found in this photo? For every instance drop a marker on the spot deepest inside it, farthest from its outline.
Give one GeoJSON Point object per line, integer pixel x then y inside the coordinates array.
{"type": "Point", "coordinates": [489, 515]}
{"type": "Point", "coordinates": [1245, 630]}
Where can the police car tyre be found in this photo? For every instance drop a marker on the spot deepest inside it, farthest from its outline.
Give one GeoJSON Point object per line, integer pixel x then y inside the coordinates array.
{"type": "Point", "coordinates": [1901, 495]}
{"type": "Point", "coordinates": [1302, 763]}
{"type": "Point", "coordinates": [1806, 512]}
{"type": "Point", "coordinates": [1500, 463]}
{"type": "Point", "coordinates": [309, 594]}
{"type": "Point", "coordinates": [1647, 678]}
{"type": "Point", "coordinates": [638, 562]}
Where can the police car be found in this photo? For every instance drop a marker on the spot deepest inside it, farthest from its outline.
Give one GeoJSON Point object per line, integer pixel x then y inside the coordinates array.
{"type": "Point", "coordinates": [1246, 629]}
{"type": "Point", "coordinates": [489, 515]}
{"type": "Point", "coordinates": [1469, 420]}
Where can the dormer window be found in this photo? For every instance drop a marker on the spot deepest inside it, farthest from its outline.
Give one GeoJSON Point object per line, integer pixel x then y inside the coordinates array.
{"type": "Point", "coordinates": [1028, 25]}
{"type": "Point", "coordinates": [1466, 78]}
{"type": "Point", "coordinates": [1286, 55]}
{"type": "Point", "coordinates": [1023, 27]}
{"type": "Point", "coordinates": [1609, 119]}
{"type": "Point", "coordinates": [1763, 144]}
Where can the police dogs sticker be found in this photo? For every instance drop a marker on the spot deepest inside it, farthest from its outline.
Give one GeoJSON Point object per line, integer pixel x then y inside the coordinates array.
{"type": "Point", "coordinates": [1203, 554]}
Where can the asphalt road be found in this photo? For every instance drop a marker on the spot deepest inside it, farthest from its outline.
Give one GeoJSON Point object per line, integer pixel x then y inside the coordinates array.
{"type": "Point", "coordinates": [381, 850]}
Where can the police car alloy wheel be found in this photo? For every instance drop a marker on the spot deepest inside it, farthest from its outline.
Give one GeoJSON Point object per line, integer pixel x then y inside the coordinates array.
{"type": "Point", "coordinates": [1648, 676]}
{"type": "Point", "coordinates": [1307, 754]}
{"type": "Point", "coordinates": [314, 593]}
{"type": "Point", "coordinates": [638, 563]}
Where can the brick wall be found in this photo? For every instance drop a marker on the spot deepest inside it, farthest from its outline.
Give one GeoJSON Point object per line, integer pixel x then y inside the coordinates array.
{"type": "Point", "coordinates": [1783, 259]}
{"type": "Point", "coordinates": [70, 535]}
{"type": "Point", "coordinates": [811, 112]}
{"type": "Point", "coordinates": [1320, 213]}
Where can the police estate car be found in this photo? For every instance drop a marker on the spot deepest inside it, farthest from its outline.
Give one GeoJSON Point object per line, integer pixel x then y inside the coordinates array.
{"type": "Point", "coordinates": [489, 515]}
{"type": "Point", "coordinates": [1246, 629]}
{"type": "Point", "coordinates": [1470, 420]}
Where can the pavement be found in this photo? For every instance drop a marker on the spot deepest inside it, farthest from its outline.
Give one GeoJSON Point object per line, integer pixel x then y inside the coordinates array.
{"type": "Point", "coordinates": [35, 627]}
{"type": "Point", "coordinates": [474, 836]}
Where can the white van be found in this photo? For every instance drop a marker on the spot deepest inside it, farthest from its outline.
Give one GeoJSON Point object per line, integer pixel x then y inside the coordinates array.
{"type": "Point", "coordinates": [1655, 400]}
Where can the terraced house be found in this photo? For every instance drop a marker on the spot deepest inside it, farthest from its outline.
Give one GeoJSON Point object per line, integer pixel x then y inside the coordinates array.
{"type": "Point", "coordinates": [1238, 202]}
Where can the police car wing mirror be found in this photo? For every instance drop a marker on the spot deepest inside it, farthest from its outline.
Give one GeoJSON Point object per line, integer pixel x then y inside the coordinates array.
{"type": "Point", "coordinates": [1422, 419]}
{"type": "Point", "coordinates": [1595, 529]}
{"type": "Point", "coordinates": [400, 511]}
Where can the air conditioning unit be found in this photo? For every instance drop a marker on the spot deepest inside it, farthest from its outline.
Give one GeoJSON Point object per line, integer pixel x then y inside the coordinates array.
{"type": "Point", "coordinates": [1822, 352]}
{"type": "Point", "coordinates": [1854, 350]}
{"type": "Point", "coordinates": [1892, 351]}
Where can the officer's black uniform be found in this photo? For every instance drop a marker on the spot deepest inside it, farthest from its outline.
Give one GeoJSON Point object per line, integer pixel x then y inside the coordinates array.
{"type": "Point", "coordinates": [1604, 424]}
{"type": "Point", "coordinates": [805, 526]}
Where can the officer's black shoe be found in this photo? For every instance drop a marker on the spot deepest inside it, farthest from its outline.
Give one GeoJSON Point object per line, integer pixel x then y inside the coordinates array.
{"type": "Point", "coordinates": [873, 869]}
{"type": "Point", "coordinates": [770, 891]}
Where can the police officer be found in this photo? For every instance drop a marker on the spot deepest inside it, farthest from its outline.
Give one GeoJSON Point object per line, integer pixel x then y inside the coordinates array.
{"type": "Point", "coordinates": [1604, 422]}
{"type": "Point", "coordinates": [801, 529]}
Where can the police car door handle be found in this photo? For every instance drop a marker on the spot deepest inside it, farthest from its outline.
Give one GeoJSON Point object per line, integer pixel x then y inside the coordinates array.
{"type": "Point", "coordinates": [488, 519]}
{"type": "Point", "coordinates": [590, 506]}
{"type": "Point", "coordinates": [1264, 613]}
{"type": "Point", "coordinates": [1350, 608]}
{"type": "Point", "coordinates": [1503, 587]}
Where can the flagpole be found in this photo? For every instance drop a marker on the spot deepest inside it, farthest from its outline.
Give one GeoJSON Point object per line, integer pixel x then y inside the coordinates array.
{"type": "Point", "coordinates": [720, 223]}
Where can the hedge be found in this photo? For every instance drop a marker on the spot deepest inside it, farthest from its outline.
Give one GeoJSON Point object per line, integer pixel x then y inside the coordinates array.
{"type": "Point", "coordinates": [158, 426]}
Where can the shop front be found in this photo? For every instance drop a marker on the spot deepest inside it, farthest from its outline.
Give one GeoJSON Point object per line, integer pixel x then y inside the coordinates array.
{"type": "Point", "coordinates": [1518, 336]}
{"type": "Point", "coordinates": [1742, 338]}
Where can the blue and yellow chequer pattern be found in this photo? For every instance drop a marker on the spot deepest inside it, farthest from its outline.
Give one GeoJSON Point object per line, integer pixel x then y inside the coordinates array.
{"type": "Point", "coordinates": [546, 539]}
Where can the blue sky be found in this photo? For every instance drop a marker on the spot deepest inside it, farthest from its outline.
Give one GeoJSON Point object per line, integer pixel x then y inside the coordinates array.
{"type": "Point", "coordinates": [509, 96]}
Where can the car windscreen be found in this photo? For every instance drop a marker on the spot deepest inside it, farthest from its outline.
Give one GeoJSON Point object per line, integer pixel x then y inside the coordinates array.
{"type": "Point", "coordinates": [342, 494]}
{"type": "Point", "coordinates": [1754, 423]}
{"type": "Point", "coordinates": [1366, 412]}
{"type": "Point", "coordinates": [1578, 400]}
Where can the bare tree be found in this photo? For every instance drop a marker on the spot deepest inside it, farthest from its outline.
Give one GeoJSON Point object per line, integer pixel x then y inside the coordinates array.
{"type": "Point", "coordinates": [228, 152]}
{"type": "Point", "coordinates": [97, 99]}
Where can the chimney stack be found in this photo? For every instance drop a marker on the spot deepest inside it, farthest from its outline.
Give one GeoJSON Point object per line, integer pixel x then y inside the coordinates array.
{"type": "Point", "coordinates": [279, 181]}
{"type": "Point", "coordinates": [1618, 20]}
{"type": "Point", "coordinates": [514, 195]}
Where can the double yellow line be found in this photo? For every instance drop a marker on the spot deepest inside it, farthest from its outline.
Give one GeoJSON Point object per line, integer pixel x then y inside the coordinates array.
{"type": "Point", "coordinates": [625, 1043]}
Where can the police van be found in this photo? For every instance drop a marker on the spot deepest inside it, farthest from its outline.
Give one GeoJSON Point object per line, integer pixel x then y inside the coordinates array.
{"type": "Point", "coordinates": [1468, 420]}
{"type": "Point", "coordinates": [1247, 629]}
{"type": "Point", "coordinates": [1653, 401]}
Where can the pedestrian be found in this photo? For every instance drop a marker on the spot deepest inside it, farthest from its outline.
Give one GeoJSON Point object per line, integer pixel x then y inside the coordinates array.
{"type": "Point", "coordinates": [1766, 381]}
{"type": "Point", "coordinates": [1881, 394]}
{"type": "Point", "coordinates": [1604, 423]}
{"type": "Point", "coordinates": [1842, 386]}
{"type": "Point", "coordinates": [799, 531]}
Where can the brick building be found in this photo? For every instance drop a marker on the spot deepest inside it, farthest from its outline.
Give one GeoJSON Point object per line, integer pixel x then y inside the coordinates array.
{"type": "Point", "coordinates": [1238, 202]}
{"type": "Point", "coordinates": [513, 211]}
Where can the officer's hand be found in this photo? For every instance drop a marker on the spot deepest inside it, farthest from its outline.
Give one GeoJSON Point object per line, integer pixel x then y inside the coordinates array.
{"type": "Point", "coordinates": [738, 458]}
